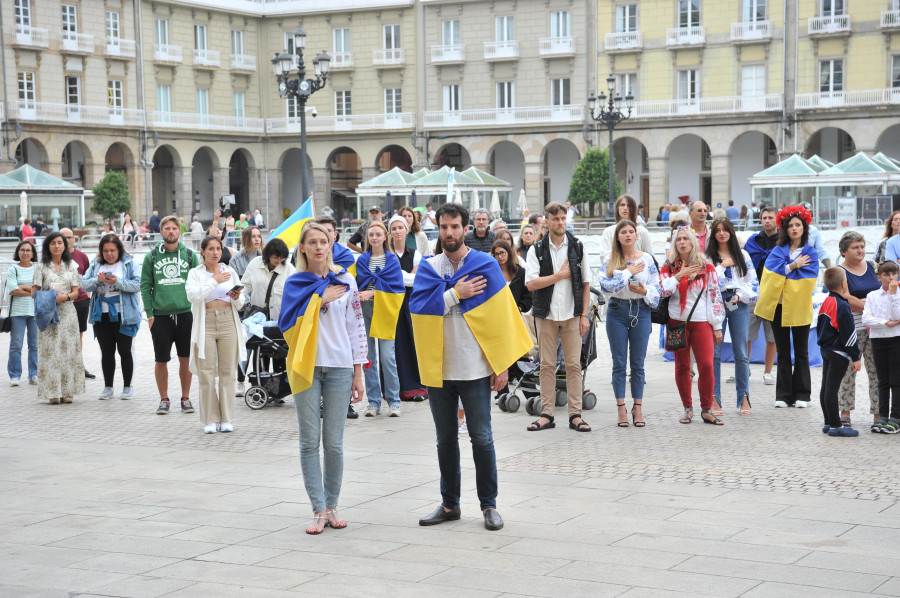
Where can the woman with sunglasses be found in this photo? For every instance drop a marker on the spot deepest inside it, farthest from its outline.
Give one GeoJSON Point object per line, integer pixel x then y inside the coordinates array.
{"type": "Point", "coordinates": [630, 280]}
{"type": "Point", "coordinates": [740, 289]}
{"type": "Point", "coordinates": [626, 209]}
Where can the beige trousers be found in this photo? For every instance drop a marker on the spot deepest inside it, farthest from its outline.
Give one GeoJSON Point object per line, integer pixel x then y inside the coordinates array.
{"type": "Point", "coordinates": [548, 332]}
{"type": "Point", "coordinates": [221, 339]}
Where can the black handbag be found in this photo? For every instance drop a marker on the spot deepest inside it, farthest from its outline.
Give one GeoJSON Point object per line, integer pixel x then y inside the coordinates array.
{"type": "Point", "coordinates": [250, 309]}
{"type": "Point", "coordinates": [6, 321]}
{"type": "Point", "coordinates": [676, 334]}
{"type": "Point", "coordinates": [660, 313]}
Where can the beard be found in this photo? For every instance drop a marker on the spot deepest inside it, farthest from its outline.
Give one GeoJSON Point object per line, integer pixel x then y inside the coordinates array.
{"type": "Point", "coordinates": [452, 244]}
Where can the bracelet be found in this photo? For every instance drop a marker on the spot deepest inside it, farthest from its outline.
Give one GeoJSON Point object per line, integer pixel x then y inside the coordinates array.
{"type": "Point", "coordinates": [455, 292]}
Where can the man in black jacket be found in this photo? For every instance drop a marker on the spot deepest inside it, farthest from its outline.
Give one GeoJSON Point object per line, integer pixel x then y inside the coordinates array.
{"type": "Point", "coordinates": [480, 239]}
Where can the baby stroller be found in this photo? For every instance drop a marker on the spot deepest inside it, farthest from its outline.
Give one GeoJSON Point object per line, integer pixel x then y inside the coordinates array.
{"type": "Point", "coordinates": [529, 381]}
{"type": "Point", "coordinates": [266, 385]}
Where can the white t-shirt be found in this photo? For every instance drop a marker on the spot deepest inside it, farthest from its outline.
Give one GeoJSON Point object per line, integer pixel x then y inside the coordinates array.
{"type": "Point", "coordinates": [107, 290]}
{"type": "Point", "coordinates": [428, 220]}
{"type": "Point", "coordinates": [221, 291]}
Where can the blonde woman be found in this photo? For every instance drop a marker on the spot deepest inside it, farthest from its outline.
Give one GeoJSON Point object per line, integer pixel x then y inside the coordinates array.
{"type": "Point", "coordinates": [690, 281]}
{"type": "Point", "coordinates": [626, 209]}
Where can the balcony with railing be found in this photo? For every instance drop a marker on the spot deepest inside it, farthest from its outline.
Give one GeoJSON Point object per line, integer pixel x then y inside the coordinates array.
{"type": "Point", "coordinates": [549, 47]}
{"type": "Point", "coordinates": [167, 53]}
{"type": "Point", "coordinates": [706, 106]}
{"type": "Point", "coordinates": [680, 37]}
{"type": "Point", "coordinates": [207, 58]}
{"type": "Point", "coordinates": [825, 26]}
{"type": "Point", "coordinates": [629, 41]}
{"type": "Point", "coordinates": [25, 36]}
{"type": "Point", "coordinates": [449, 54]}
{"type": "Point", "coordinates": [243, 62]}
{"type": "Point", "coordinates": [388, 57]}
{"type": "Point", "coordinates": [76, 43]}
{"type": "Point", "coordinates": [508, 50]}
{"type": "Point", "coordinates": [504, 117]}
{"type": "Point", "coordinates": [341, 60]}
{"type": "Point", "coordinates": [890, 19]}
{"type": "Point", "coordinates": [76, 114]}
{"type": "Point", "coordinates": [848, 99]}
{"type": "Point", "coordinates": [751, 32]}
{"type": "Point", "coordinates": [206, 122]}
{"type": "Point", "coordinates": [116, 47]}
{"type": "Point", "coordinates": [353, 122]}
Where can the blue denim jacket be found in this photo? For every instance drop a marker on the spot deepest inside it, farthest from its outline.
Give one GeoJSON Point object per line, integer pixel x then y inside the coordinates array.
{"type": "Point", "coordinates": [46, 311]}
{"type": "Point", "coordinates": [129, 287]}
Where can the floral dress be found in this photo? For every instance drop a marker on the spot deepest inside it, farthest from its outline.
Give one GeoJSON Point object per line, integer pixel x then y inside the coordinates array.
{"type": "Point", "coordinates": [60, 365]}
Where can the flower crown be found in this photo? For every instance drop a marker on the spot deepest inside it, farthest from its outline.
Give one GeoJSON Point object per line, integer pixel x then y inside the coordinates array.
{"type": "Point", "coordinates": [789, 212]}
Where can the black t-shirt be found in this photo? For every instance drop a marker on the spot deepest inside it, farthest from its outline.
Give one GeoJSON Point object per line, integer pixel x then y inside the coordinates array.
{"type": "Point", "coordinates": [359, 236]}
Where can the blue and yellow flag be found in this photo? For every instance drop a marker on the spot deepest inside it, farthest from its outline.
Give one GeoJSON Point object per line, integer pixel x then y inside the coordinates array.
{"type": "Point", "coordinates": [290, 229]}
{"type": "Point", "coordinates": [795, 290]}
{"type": "Point", "coordinates": [342, 256]}
{"type": "Point", "coordinates": [492, 316]}
{"type": "Point", "coordinates": [389, 292]}
{"type": "Point", "coordinates": [299, 321]}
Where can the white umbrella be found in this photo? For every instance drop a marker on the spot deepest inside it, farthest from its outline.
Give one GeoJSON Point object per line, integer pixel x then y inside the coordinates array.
{"type": "Point", "coordinates": [458, 196]}
{"type": "Point", "coordinates": [523, 203]}
{"type": "Point", "coordinates": [23, 206]}
{"type": "Point", "coordinates": [495, 204]}
{"type": "Point", "coordinates": [476, 201]}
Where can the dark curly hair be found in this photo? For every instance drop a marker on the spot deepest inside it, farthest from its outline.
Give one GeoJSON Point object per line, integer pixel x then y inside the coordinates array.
{"type": "Point", "coordinates": [45, 249]}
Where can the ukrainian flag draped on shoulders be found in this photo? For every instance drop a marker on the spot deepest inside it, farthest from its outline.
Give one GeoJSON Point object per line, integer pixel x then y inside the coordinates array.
{"type": "Point", "coordinates": [389, 292]}
{"type": "Point", "coordinates": [299, 322]}
{"type": "Point", "coordinates": [795, 290]}
{"type": "Point", "coordinates": [492, 316]}
{"type": "Point", "coordinates": [342, 256]}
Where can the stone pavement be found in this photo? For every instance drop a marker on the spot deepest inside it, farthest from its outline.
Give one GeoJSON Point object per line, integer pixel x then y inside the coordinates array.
{"type": "Point", "coordinates": [105, 498]}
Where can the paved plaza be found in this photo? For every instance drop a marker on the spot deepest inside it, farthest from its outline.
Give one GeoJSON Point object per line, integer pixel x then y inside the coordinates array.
{"type": "Point", "coordinates": [105, 498]}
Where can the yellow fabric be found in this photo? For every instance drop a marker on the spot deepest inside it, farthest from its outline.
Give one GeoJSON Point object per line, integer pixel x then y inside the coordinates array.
{"type": "Point", "coordinates": [301, 358]}
{"type": "Point", "coordinates": [428, 332]}
{"type": "Point", "coordinates": [385, 313]}
{"type": "Point", "coordinates": [795, 296]}
{"type": "Point", "coordinates": [499, 330]}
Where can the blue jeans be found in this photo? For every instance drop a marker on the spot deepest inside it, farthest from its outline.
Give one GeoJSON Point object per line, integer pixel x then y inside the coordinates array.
{"type": "Point", "coordinates": [476, 399]}
{"type": "Point", "coordinates": [331, 387]}
{"type": "Point", "coordinates": [14, 365]}
{"type": "Point", "coordinates": [628, 328]}
{"type": "Point", "coordinates": [384, 364]}
{"type": "Point", "coordinates": [738, 323]}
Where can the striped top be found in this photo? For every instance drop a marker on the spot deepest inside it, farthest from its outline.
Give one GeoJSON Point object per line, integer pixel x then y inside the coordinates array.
{"type": "Point", "coordinates": [19, 306]}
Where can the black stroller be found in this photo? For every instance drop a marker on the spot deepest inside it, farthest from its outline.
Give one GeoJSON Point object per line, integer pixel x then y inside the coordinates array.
{"type": "Point", "coordinates": [267, 384]}
{"type": "Point", "coordinates": [528, 383]}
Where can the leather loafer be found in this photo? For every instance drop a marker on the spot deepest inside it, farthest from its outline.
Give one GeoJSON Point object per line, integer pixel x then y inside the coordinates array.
{"type": "Point", "coordinates": [492, 520]}
{"type": "Point", "coordinates": [440, 515]}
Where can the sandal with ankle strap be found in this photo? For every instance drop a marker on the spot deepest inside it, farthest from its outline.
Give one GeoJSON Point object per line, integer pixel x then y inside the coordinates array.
{"type": "Point", "coordinates": [333, 522]}
{"type": "Point", "coordinates": [582, 426]}
{"type": "Point", "coordinates": [622, 424]}
{"type": "Point", "coordinates": [688, 415]}
{"type": "Point", "coordinates": [714, 421]}
{"type": "Point", "coordinates": [638, 423]}
{"type": "Point", "coordinates": [316, 530]}
{"type": "Point", "coordinates": [536, 425]}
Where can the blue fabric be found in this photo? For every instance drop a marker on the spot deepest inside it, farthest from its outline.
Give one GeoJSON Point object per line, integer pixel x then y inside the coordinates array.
{"type": "Point", "coordinates": [112, 304]}
{"type": "Point", "coordinates": [628, 328]}
{"type": "Point", "coordinates": [19, 325]}
{"type": "Point", "coordinates": [860, 286]}
{"type": "Point", "coordinates": [46, 311]}
{"type": "Point", "coordinates": [737, 322]}
{"type": "Point", "coordinates": [129, 287]}
{"type": "Point", "coordinates": [815, 239]}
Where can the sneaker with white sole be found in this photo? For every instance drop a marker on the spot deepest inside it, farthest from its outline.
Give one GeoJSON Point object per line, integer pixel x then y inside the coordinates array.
{"type": "Point", "coordinates": [210, 428]}
{"type": "Point", "coordinates": [801, 404]}
{"type": "Point", "coordinates": [395, 411]}
{"type": "Point", "coordinates": [768, 378]}
{"type": "Point", "coordinates": [729, 380]}
{"type": "Point", "coordinates": [226, 427]}
{"type": "Point", "coordinates": [127, 393]}
{"type": "Point", "coordinates": [33, 380]}
{"type": "Point", "coordinates": [372, 411]}
{"type": "Point", "coordinates": [13, 381]}
{"type": "Point", "coordinates": [107, 393]}
{"type": "Point", "coordinates": [780, 404]}
{"type": "Point", "coordinates": [239, 389]}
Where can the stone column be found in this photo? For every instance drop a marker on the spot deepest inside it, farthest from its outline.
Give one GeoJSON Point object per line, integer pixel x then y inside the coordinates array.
{"type": "Point", "coordinates": [534, 186]}
{"type": "Point", "coordinates": [721, 180]}
{"type": "Point", "coordinates": [221, 185]}
{"type": "Point", "coordinates": [181, 192]}
{"type": "Point", "coordinates": [659, 182]}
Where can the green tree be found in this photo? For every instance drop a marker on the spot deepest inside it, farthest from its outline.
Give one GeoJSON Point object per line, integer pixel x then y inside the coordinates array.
{"type": "Point", "coordinates": [111, 195]}
{"type": "Point", "coordinates": [590, 183]}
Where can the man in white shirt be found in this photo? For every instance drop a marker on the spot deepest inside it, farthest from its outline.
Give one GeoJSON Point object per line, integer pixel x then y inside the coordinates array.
{"type": "Point", "coordinates": [429, 223]}
{"type": "Point", "coordinates": [257, 218]}
{"type": "Point", "coordinates": [557, 273]}
{"type": "Point", "coordinates": [570, 216]}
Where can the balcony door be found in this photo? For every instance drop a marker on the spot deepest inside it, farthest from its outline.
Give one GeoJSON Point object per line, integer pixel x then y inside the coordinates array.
{"type": "Point", "coordinates": [116, 101]}
{"type": "Point", "coordinates": [203, 107]}
{"type": "Point", "coordinates": [70, 27]}
{"type": "Point", "coordinates": [688, 13]}
{"type": "Point", "coordinates": [831, 82]}
{"type": "Point", "coordinates": [161, 32]}
{"type": "Point", "coordinates": [754, 11]}
{"type": "Point", "coordinates": [753, 86]}
{"type": "Point", "coordinates": [833, 8]}
{"type": "Point", "coordinates": [73, 98]}
{"type": "Point", "coordinates": [688, 91]}
{"type": "Point", "coordinates": [343, 110]}
{"type": "Point", "coordinates": [341, 47]}
{"type": "Point", "coordinates": [450, 32]}
{"type": "Point", "coordinates": [237, 42]}
{"type": "Point", "coordinates": [27, 105]}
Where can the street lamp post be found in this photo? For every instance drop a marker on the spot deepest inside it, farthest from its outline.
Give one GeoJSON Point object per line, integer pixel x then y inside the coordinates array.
{"type": "Point", "coordinates": [300, 88]}
{"type": "Point", "coordinates": [610, 113]}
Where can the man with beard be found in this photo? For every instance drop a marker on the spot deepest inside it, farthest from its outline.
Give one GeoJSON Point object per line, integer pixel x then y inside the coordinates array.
{"type": "Point", "coordinates": [481, 238]}
{"type": "Point", "coordinates": [758, 248]}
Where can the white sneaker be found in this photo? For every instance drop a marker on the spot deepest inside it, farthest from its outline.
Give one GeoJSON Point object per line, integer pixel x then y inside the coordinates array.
{"type": "Point", "coordinates": [729, 380]}
{"type": "Point", "coordinates": [211, 428]}
{"type": "Point", "coordinates": [395, 411]}
{"type": "Point", "coordinates": [107, 393]}
{"type": "Point", "coordinates": [463, 428]}
{"type": "Point", "coordinates": [13, 381]}
{"type": "Point", "coordinates": [33, 380]}
{"type": "Point", "coordinates": [372, 411]}
{"type": "Point", "coordinates": [780, 404]}
{"type": "Point", "coordinates": [226, 427]}
{"type": "Point", "coordinates": [768, 378]}
{"type": "Point", "coordinates": [127, 393]}
{"type": "Point", "coordinates": [801, 404]}
{"type": "Point", "coordinates": [239, 389]}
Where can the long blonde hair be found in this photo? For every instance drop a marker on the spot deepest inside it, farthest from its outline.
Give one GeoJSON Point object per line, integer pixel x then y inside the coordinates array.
{"type": "Point", "coordinates": [695, 257]}
{"type": "Point", "coordinates": [302, 265]}
{"type": "Point", "coordinates": [617, 257]}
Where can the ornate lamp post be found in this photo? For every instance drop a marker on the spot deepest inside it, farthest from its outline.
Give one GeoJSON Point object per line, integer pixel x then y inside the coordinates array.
{"type": "Point", "coordinates": [300, 88]}
{"type": "Point", "coordinates": [610, 114]}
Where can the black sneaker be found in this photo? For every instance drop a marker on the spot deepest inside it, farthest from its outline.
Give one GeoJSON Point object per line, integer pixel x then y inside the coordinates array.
{"type": "Point", "coordinates": [89, 375]}
{"type": "Point", "coordinates": [186, 406]}
{"type": "Point", "coordinates": [351, 413]}
{"type": "Point", "coordinates": [163, 407]}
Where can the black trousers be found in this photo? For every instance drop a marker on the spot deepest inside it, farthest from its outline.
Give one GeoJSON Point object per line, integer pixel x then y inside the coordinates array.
{"type": "Point", "coordinates": [111, 340]}
{"type": "Point", "coordinates": [834, 367]}
{"type": "Point", "coordinates": [793, 383]}
{"type": "Point", "coordinates": [887, 365]}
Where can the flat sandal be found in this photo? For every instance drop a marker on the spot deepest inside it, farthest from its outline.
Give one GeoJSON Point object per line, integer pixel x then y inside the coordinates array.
{"type": "Point", "coordinates": [332, 519]}
{"type": "Point", "coordinates": [688, 415]}
{"type": "Point", "coordinates": [315, 526]}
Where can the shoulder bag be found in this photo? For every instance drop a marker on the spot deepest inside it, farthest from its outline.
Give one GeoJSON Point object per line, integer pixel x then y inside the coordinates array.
{"type": "Point", "coordinates": [249, 309]}
{"type": "Point", "coordinates": [676, 334]}
{"type": "Point", "coordinates": [6, 321]}
{"type": "Point", "coordinates": [660, 313]}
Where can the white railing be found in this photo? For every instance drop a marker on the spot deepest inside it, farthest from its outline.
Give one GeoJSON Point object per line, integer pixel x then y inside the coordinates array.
{"type": "Point", "coordinates": [341, 60]}
{"type": "Point", "coordinates": [76, 114]}
{"type": "Point", "coordinates": [829, 25]}
{"type": "Point", "coordinates": [890, 19]}
{"type": "Point", "coordinates": [243, 62]}
{"type": "Point", "coordinates": [355, 122]}
{"type": "Point", "coordinates": [76, 42]}
{"type": "Point", "coordinates": [116, 46]}
{"type": "Point", "coordinates": [388, 56]}
{"type": "Point", "coordinates": [207, 58]}
{"type": "Point", "coordinates": [631, 40]}
{"type": "Point", "coordinates": [702, 106]}
{"type": "Point", "coordinates": [210, 122]}
{"type": "Point", "coordinates": [450, 53]}
{"type": "Point", "coordinates": [530, 115]}
{"type": "Point", "coordinates": [556, 46]}
{"type": "Point", "coordinates": [686, 36]}
{"type": "Point", "coordinates": [166, 53]}
{"type": "Point", "coordinates": [753, 31]}
{"type": "Point", "coordinates": [24, 35]}
{"type": "Point", "coordinates": [837, 99]}
{"type": "Point", "coordinates": [501, 50]}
